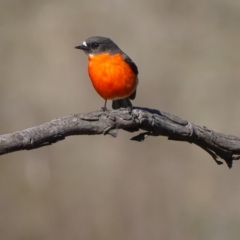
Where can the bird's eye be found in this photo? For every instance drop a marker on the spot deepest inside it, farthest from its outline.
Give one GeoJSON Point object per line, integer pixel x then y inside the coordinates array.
{"type": "Point", "coordinates": [95, 45]}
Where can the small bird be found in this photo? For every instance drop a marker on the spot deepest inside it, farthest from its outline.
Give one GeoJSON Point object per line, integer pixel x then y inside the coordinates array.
{"type": "Point", "coordinates": [113, 74]}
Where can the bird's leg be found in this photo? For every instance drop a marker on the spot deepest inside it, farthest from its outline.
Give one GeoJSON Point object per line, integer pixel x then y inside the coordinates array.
{"type": "Point", "coordinates": [104, 108]}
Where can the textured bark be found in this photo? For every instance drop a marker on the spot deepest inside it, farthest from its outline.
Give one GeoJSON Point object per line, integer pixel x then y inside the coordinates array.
{"type": "Point", "coordinates": [153, 122]}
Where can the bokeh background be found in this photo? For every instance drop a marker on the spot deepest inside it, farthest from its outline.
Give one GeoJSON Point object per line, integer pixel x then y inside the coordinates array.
{"type": "Point", "coordinates": [99, 187]}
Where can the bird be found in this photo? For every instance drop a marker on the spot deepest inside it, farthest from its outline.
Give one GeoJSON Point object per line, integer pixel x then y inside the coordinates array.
{"type": "Point", "coordinates": [112, 72]}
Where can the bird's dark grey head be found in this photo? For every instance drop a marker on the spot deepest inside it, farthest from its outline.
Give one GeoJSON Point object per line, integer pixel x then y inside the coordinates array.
{"type": "Point", "coordinates": [98, 45]}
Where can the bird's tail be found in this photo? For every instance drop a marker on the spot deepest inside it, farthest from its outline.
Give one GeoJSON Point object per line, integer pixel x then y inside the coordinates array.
{"type": "Point", "coordinates": [121, 103]}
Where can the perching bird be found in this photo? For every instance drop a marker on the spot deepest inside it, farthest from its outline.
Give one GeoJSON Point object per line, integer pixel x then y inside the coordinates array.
{"type": "Point", "coordinates": [113, 74]}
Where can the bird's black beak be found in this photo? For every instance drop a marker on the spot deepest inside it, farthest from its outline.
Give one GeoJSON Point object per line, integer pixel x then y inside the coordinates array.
{"type": "Point", "coordinates": [82, 47]}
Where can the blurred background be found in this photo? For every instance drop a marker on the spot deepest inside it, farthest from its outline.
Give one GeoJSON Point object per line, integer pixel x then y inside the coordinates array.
{"type": "Point", "coordinates": [99, 187]}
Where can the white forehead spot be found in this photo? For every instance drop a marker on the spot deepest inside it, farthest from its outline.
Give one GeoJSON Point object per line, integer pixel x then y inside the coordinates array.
{"type": "Point", "coordinates": [84, 43]}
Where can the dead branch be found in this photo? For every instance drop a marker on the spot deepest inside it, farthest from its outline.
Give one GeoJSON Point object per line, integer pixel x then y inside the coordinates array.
{"type": "Point", "coordinates": [153, 122]}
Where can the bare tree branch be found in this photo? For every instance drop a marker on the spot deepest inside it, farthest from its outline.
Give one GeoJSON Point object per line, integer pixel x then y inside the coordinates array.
{"type": "Point", "coordinates": [153, 122]}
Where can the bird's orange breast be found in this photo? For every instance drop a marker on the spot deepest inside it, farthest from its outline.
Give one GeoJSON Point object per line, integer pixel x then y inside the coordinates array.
{"type": "Point", "coordinates": [111, 76]}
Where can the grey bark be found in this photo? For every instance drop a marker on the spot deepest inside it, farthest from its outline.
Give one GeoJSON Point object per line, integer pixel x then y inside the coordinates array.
{"type": "Point", "coordinates": [152, 122]}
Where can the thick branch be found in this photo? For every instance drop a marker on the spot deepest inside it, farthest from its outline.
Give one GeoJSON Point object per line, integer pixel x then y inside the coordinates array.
{"type": "Point", "coordinates": [153, 122]}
